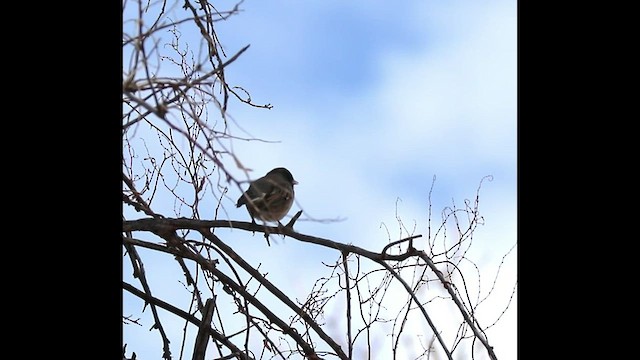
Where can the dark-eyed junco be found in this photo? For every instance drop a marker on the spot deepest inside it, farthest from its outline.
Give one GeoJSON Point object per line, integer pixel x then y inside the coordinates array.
{"type": "Point", "coordinates": [270, 197]}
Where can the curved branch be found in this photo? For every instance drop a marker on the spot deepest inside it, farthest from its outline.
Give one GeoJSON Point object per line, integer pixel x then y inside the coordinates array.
{"type": "Point", "coordinates": [154, 225]}
{"type": "Point", "coordinates": [161, 225]}
{"type": "Point", "coordinates": [292, 332]}
{"type": "Point", "coordinates": [185, 315]}
{"type": "Point", "coordinates": [139, 272]}
{"type": "Point", "coordinates": [422, 309]}
{"type": "Point", "coordinates": [458, 303]}
{"type": "Point", "coordinates": [176, 247]}
{"type": "Point", "coordinates": [274, 290]}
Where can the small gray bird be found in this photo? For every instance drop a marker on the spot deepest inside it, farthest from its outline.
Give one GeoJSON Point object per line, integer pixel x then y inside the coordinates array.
{"type": "Point", "coordinates": [270, 197]}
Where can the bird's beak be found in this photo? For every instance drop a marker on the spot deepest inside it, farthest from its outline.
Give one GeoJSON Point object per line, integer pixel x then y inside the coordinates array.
{"type": "Point", "coordinates": [295, 182]}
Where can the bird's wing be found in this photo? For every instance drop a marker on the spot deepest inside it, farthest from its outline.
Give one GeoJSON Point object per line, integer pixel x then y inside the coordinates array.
{"type": "Point", "coordinates": [258, 192]}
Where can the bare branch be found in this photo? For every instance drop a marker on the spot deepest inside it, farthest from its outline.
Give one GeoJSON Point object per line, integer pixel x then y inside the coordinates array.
{"type": "Point", "coordinates": [179, 138]}
{"type": "Point", "coordinates": [174, 310]}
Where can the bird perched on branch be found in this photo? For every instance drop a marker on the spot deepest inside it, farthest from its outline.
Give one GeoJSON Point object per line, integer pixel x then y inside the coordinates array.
{"type": "Point", "coordinates": [270, 197]}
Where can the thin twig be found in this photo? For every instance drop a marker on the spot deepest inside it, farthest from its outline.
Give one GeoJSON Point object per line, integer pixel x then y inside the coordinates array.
{"type": "Point", "coordinates": [348, 292]}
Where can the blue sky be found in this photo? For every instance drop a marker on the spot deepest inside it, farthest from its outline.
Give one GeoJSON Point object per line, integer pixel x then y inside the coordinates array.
{"type": "Point", "coordinates": [371, 100]}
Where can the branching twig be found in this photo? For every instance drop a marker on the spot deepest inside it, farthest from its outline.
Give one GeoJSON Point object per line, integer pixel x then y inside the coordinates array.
{"type": "Point", "coordinates": [157, 224]}
{"type": "Point", "coordinates": [140, 274]}
{"type": "Point", "coordinates": [456, 300]}
{"type": "Point", "coordinates": [192, 150]}
{"type": "Point", "coordinates": [185, 315]}
{"type": "Point", "coordinates": [347, 288]}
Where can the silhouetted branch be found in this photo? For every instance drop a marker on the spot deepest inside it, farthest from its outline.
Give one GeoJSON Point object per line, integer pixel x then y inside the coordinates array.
{"type": "Point", "coordinates": [175, 148]}
{"type": "Point", "coordinates": [203, 226]}
{"type": "Point", "coordinates": [347, 288]}
{"type": "Point", "coordinates": [140, 274]}
{"type": "Point", "coordinates": [185, 315]}
{"type": "Point", "coordinates": [456, 300]}
{"type": "Point", "coordinates": [183, 251]}
{"type": "Point", "coordinates": [202, 338]}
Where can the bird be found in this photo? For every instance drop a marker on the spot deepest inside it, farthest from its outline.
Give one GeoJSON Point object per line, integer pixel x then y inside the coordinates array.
{"type": "Point", "coordinates": [270, 197]}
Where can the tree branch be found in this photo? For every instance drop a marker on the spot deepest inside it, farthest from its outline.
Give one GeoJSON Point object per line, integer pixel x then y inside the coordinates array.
{"type": "Point", "coordinates": [202, 338]}
{"type": "Point", "coordinates": [175, 247]}
{"type": "Point", "coordinates": [458, 303]}
{"type": "Point", "coordinates": [185, 315]}
{"type": "Point", "coordinates": [162, 225]}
